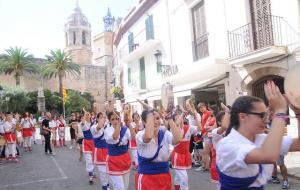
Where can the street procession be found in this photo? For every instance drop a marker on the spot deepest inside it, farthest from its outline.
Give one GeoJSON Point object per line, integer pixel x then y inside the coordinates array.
{"type": "Point", "coordinates": [160, 95]}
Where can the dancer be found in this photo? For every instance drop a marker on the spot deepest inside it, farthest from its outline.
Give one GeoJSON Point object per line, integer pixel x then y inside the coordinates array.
{"type": "Point", "coordinates": [88, 145]}
{"type": "Point", "coordinates": [137, 126]}
{"type": "Point", "coordinates": [33, 127]}
{"type": "Point", "coordinates": [245, 156]}
{"type": "Point", "coordinates": [10, 137]}
{"type": "Point", "coordinates": [100, 153]}
{"type": "Point", "coordinates": [153, 151]}
{"type": "Point", "coordinates": [53, 125]}
{"type": "Point", "coordinates": [118, 161]}
{"type": "Point", "coordinates": [26, 126]}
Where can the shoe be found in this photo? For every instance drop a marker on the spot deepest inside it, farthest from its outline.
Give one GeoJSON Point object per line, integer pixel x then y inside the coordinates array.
{"type": "Point", "coordinates": [46, 153]}
{"type": "Point", "coordinates": [15, 160]}
{"type": "Point", "coordinates": [202, 169]}
{"type": "Point", "coordinates": [30, 149]}
{"type": "Point", "coordinates": [52, 153]}
{"type": "Point", "coordinates": [80, 158]}
{"type": "Point", "coordinates": [275, 180]}
{"type": "Point", "coordinates": [91, 182]}
{"type": "Point", "coordinates": [71, 147]}
{"type": "Point", "coordinates": [285, 184]}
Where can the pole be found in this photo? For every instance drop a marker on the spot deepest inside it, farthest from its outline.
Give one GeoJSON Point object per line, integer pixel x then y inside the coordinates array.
{"type": "Point", "coordinates": [64, 110]}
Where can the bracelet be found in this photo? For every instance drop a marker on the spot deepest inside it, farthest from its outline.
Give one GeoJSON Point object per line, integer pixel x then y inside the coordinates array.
{"type": "Point", "coordinates": [282, 116]}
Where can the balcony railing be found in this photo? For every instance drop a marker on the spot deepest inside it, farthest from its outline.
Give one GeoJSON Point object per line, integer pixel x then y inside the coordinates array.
{"type": "Point", "coordinates": [269, 31]}
{"type": "Point", "coordinates": [200, 47]}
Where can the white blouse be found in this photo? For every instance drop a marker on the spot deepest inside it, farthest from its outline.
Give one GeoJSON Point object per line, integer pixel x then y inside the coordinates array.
{"type": "Point", "coordinates": [108, 133]}
{"type": "Point", "coordinates": [232, 150]}
{"type": "Point", "coordinates": [149, 149]}
{"type": "Point", "coordinates": [95, 132]}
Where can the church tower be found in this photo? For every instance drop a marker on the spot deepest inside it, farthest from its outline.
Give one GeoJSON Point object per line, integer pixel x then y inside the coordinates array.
{"type": "Point", "coordinates": [78, 37]}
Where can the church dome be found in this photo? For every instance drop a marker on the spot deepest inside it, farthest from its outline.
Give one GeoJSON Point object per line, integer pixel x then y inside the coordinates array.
{"type": "Point", "coordinates": [78, 18]}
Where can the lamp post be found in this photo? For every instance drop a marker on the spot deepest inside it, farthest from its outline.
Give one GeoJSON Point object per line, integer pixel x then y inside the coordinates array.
{"type": "Point", "coordinates": [2, 94]}
{"type": "Point", "coordinates": [158, 56]}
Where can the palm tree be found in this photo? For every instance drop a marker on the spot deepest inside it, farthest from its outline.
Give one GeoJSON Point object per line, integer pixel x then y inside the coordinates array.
{"type": "Point", "coordinates": [17, 61]}
{"type": "Point", "coordinates": [60, 64]}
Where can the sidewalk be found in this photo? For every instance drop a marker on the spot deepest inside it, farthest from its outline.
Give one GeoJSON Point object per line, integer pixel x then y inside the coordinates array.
{"type": "Point", "coordinates": [292, 162]}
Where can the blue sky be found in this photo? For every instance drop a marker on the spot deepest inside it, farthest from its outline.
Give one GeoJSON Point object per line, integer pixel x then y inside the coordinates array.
{"type": "Point", "coordinates": [38, 25]}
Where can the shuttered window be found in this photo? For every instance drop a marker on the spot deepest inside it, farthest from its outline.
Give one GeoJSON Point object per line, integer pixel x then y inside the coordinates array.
{"type": "Point", "coordinates": [129, 75]}
{"type": "Point", "coordinates": [149, 28]}
{"type": "Point", "coordinates": [130, 42]}
{"type": "Point", "coordinates": [142, 74]}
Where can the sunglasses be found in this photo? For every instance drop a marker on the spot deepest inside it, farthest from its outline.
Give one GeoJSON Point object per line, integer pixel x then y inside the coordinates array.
{"type": "Point", "coordinates": [262, 115]}
{"type": "Point", "coordinates": [113, 119]}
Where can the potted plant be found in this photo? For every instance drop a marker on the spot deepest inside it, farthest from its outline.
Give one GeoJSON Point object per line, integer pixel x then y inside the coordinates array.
{"type": "Point", "coordinates": [117, 91]}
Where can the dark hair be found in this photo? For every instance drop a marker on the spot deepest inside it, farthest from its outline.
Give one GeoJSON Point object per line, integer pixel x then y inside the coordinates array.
{"type": "Point", "coordinates": [145, 113]}
{"type": "Point", "coordinates": [214, 109]}
{"type": "Point", "coordinates": [110, 114]}
{"type": "Point", "coordinates": [99, 115]}
{"type": "Point", "coordinates": [242, 104]}
{"type": "Point", "coordinates": [134, 114]}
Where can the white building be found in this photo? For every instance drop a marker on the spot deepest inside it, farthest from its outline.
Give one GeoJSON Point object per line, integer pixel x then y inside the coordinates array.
{"type": "Point", "coordinates": [190, 36]}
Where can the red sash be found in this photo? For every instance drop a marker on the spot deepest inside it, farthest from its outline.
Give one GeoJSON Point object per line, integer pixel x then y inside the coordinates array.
{"type": "Point", "coordinates": [118, 165]}
{"type": "Point", "coordinates": [213, 168]}
{"type": "Point", "coordinates": [133, 144]}
{"type": "Point", "coordinates": [100, 156]}
{"type": "Point", "coordinates": [27, 132]}
{"type": "Point", "coordinates": [10, 137]}
{"type": "Point", "coordinates": [88, 146]}
{"type": "Point", "coordinates": [150, 182]}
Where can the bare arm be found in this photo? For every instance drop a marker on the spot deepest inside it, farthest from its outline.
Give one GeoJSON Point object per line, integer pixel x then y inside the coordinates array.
{"type": "Point", "coordinates": [132, 131]}
{"type": "Point", "coordinates": [177, 136]}
{"type": "Point", "coordinates": [224, 124]}
{"type": "Point", "coordinates": [149, 128]}
{"type": "Point", "coordinates": [116, 133]}
{"type": "Point", "coordinates": [269, 151]}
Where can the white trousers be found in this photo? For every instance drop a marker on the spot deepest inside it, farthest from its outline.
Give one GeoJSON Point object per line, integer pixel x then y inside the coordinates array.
{"type": "Point", "coordinates": [27, 142]}
{"type": "Point", "coordinates": [181, 179]}
{"type": "Point", "coordinates": [10, 149]}
{"type": "Point", "coordinates": [89, 166]}
{"type": "Point", "coordinates": [120, 182]}
{"type": "Point", "coordinates": [134, 156]}
{"type": "Point", "coordinates": [103, 176]}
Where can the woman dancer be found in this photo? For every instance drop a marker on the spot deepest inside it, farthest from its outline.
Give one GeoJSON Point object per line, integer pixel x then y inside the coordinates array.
{"type": "Point", "coordinates": [153, 151]}
{"type": "Point", "coordinates": [26, 125]}
{"type": "Point", "coordinates": [100, 153]}
{"type": "Point", "coordinates": [118, 161]}
{"type": "Point", "coordinates": [245, 155]}
{"type": "Point", "coordinates": [61, 130]}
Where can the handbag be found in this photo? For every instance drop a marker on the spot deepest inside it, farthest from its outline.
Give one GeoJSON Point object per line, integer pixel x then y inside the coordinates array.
{"type": "Point", "coordinates": [45, 132]}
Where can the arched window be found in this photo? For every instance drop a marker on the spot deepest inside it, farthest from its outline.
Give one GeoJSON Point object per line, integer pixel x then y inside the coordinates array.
{"type": "Point", "coordinates": [83, 38]}
{"type": "Point", "coordinates": [74, 38]}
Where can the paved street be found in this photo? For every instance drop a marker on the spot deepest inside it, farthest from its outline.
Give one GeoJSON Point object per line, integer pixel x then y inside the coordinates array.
{"type": "Point", "coordinates": [64, 171]}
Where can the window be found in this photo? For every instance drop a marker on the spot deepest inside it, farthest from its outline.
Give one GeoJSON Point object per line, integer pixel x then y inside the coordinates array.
{"type": "Point", "coordinates": [129, 75]}
{"type": "Point", "coordinates": [130, 42]}
{"type": "Point", "coordinates": [83, 38]}
{"type": "Point", "coordinates": [142, 74]}
{"type": "Point", "coordinates": [149, 28]}
{"type": "Point", "coordinates": [200, 43]}
{"type": "Point", "coordinates": [67, 40]}
{"type": "Point", "coordinates": [74, 38]}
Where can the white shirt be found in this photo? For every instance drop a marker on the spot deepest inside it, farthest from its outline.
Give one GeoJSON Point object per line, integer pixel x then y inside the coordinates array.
{"type": "Point", "coordinates": [194, 120]}
{"type": "Point", "coordinates": [85, 126]}
{"type": "Point", "coordinates": [52, 124]}
{"type": "Point", "coordinates": [231, 153]}
{"type": "Point", "coordinates": [8, 126]}
{"type": "Point", "coordinates": [108, 132]}
{"type": "Point", "coordinates": [149, 149]}
{"type": "Point", "coordinates": [25, 123]}
{"type": "Point", "coordinates": [191, 131]}
{"type": "Point", "coordinates": [95, 132]}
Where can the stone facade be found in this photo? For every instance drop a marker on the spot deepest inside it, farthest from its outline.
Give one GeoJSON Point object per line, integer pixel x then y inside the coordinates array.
{"type": "Point", "coordinates": [95, 78]}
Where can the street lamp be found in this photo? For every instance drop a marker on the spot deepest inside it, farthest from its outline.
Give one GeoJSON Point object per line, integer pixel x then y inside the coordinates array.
{"type": "Point", "coordinates": [158, 56]}
{"type": "Point", "coordinates": [2, 94]}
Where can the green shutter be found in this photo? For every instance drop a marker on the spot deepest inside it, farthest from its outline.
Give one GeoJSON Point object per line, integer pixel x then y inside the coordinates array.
{"type": "Point", "coordinates": [130, 42]}
{"type": "Point", "coordinates": [129, 75]}
{"type": "Point", "coordinates": [149, 28]}
{"type": "Point", "coordinates": [142, 74]}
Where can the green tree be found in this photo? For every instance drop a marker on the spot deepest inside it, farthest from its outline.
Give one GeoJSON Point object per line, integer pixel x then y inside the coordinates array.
{"type": "Point", "coordinates": [17, 62]}
{"type": "Point", "coordinates": [76, 101]}
{"type": "Point", "coordinates": [15, 95]}
{"type": "Point", "coordinates": [59, 64]}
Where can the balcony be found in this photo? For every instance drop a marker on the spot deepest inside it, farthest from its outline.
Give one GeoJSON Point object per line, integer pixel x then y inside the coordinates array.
{"type": "Point", "coordinates": [267, 38]}
{"type": "Point", "coordinates": [200, 47]}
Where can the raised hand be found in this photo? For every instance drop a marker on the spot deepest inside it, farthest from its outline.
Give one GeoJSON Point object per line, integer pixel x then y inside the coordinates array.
{"type": "Point", "coordinates": [277, 102]}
